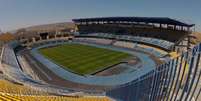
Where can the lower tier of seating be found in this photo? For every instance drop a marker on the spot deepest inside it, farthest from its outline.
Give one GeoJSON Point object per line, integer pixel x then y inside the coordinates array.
{"type": "Point", "coordinates": [155, 51]}
{"type": "Point", "coordinates": [16, 92]}
{"type": "Point", "coordinates": [11, 88]}
{"type": "Point", "coordinates": [154, 41]}
{"type": "Point", "coordinates": [124, 44]}
{"type": "Point", "coordinates": [7, 97]}
{"type": "Point", "coordinates": [95, 40]}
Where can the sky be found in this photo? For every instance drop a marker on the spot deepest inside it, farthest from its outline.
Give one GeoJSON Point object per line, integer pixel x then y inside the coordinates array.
{"type": "Point", "coordinates": [16, 14]}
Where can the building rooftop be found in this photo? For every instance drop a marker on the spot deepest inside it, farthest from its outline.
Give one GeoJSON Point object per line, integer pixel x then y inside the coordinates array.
{"type": "Point", "coordinates": [158, 20]}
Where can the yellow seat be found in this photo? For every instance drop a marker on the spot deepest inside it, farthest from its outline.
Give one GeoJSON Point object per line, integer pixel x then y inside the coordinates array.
{"type": "Point", "coordinates": [8, 87]}
{"type": "Point", "coordinates": [15, 92]}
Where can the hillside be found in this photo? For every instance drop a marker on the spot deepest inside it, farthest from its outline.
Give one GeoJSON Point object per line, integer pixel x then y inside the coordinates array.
{"type": "Point", "coordinates": [6, 37]}
{"type": "Point", "coordinates": [54, 26]}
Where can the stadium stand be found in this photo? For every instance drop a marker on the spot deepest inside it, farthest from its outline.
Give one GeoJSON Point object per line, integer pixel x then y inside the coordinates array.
{"type": "Point", "coordinates": [150, 41]}
{"type": "Point", "coordinates": [9, 97]}
{"type": "Point", "coordinates": [40, 42]}
{"type": "Point", "coordinates": [174, 55]}
{"type": "Point", "coordinates": [19, 92]}
{"type": "Point", "coordinates": [153, 27]}
{"type": "Point", "coordinates": [12, 70]}
{"type": "Point", "coordinates": [178, 79]}
{"type": "Point", "coordinates": [95, 40]}
{"type": "Point", "coordinates": [155, 51]}
{"type": "Point", "coordinates": [9, 57]}
{"type": "Point", "coordinates": [170, 81]}
{"type": "Point", "coordinates": [15, 88]}
{"type": "Point", "coordinates": [126, 44]}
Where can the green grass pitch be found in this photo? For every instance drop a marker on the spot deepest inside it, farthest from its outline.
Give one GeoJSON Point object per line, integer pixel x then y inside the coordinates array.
{"type": "Point", "coordinates": [82, 59]}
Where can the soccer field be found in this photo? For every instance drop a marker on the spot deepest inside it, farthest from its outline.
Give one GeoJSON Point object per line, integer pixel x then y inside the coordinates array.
{"type": "Point", "coordinates": [83, 59]}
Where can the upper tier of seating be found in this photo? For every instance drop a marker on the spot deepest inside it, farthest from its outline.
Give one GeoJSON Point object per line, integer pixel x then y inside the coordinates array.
{"type": "Point", "coordinates": [153, 41]}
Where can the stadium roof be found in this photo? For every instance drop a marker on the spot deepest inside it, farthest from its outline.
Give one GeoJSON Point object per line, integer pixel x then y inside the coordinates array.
{"type": "Point", "coordinates": [159, 20]}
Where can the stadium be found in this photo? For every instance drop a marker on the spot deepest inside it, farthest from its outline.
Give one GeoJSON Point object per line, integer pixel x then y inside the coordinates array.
{"type": "Point", "coordinates": [103, 59]}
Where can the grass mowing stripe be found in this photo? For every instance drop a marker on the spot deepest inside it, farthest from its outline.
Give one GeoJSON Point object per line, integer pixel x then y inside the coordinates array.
{"type": "Point", "coordinates": [85, 55]}
{"type": "Point", "coordinates": [103, 61]}
{"type": "Point", "coordinates": [95, 58]}
{"type": "Point", "coordinates": [77, 53]}
{"type": "Point", "coordinates": [83, 59]}
{"type": "Point", "coordinates": [94, 55]}
{"type": "Point", "coordinates": [96, 62]}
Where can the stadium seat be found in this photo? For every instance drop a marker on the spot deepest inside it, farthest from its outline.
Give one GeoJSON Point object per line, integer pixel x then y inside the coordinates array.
{"type": "Point", "coordinates": [15, 92]}
{"type": "Point", "coordinates": [8, 87]}
{"type": "Point", "coordinates": [9, 97]}
{"type": "Point", "coordinates": [154, 41]}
